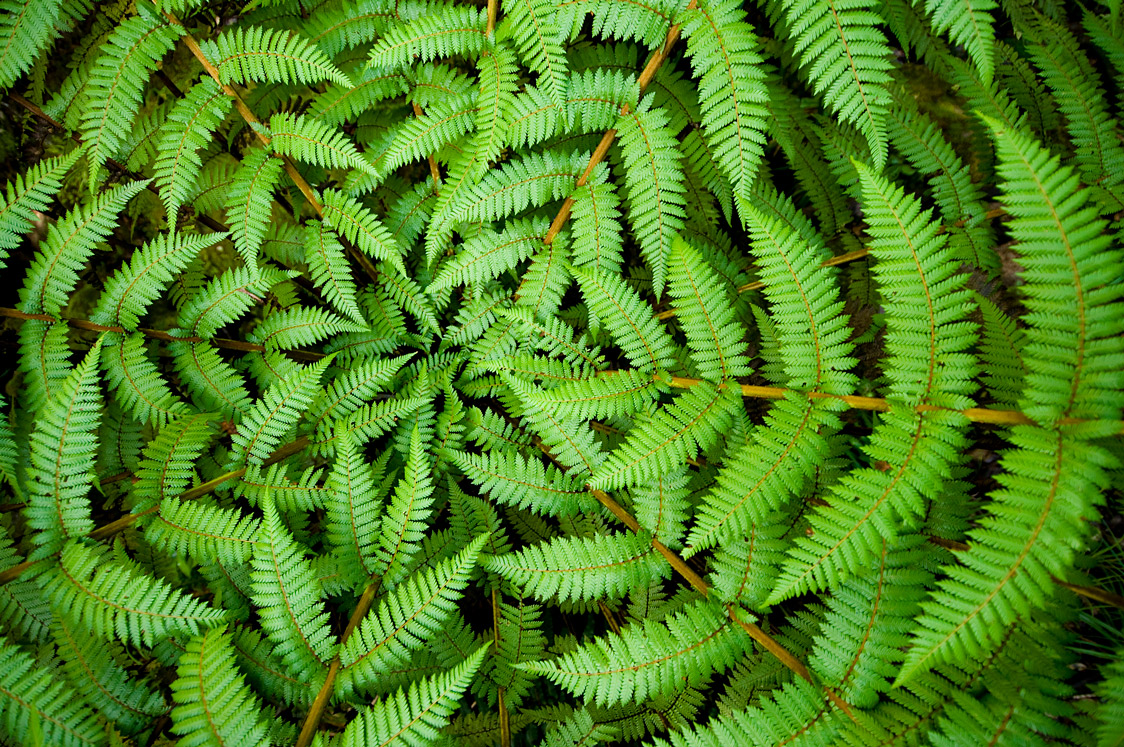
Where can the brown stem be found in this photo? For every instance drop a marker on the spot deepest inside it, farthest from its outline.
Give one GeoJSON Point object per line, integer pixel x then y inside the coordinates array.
{"type": "Point", "coordinates": [602, 149]}
{"type": "Point", "coordinates": [1092, 592]}
{"type": "Point", "coordinates": [433, 170]}
{"type": "Point", "coordinates": [493, 9]}
{"type": "Point", "coordinates": [501, 706]}
{"type": "Point", "coordinates": [974, 414]}
{"type": "Point", "coordinates": [316, 712]}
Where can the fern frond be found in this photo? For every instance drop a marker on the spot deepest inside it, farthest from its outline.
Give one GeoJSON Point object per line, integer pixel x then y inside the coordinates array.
{"type": "Point", "coordinates": [132, 289]}
{"type": "Point", "coordinates": [630, 321]}
{"type": "Point", "coordinates": [446, 122]}
{"type": "Point", "coordinates": [93, 668]}
{"type": "Point", "coordinates": [68, 246]}
{"type": "Point", "coordinates": [531, 181]}
{"type": "Point", "coordinates": [33, 700]}
{"type": "Point", "coordinates": [570, 442]}
{"type": "Point", "coordinates": [214, 706]}
{"type": "Point", "coordinates": [1076, 87]}
{"type": "Point", "coordinates": [1110, 713]}
{"type": "Point", "coordinates": [498, 82]}
{"type": "Point", "coordinates": [352, 523]}
{"type": "Point", "coordinates": [60, 471]}
{"type": "Point", "coordinates": [689, 425]}
{"type": "Point", "coordinates": [1075, 351]}
{"type": "Point", "coordinates": [275, 413]}
{"type": "Point", "coordinates": [117, 79]}
{"type": "Point", "coordinates": [846, 57]}
{"type": "Point", "coordinates": [315, 142]}
{"type": "Point", "coordinates": [300, 327]}
{"type": "Point", "coordinates": [137, 384]}
{"type": "Point", "coordinates": [417, 715]}
{"type": "Point", "coordinates": [574, 569]}
{"type": "Point", "coordinates": [404, 520]}
{"type": "Point", "coordinates": [625, 393]}
{"type": "Point", "coordinates": [287, 596]}
{"type": "Point", "coordinates": [1001, 353]}
{"type": "Point", "coordinates": [597, 236]}
{"type": "Point", "coordinates": [26, 26]}
{"type": "Point", "coordinates": [251, 53]}
{"type": "Point", "coordinates": [214, 385]}
{"type": "Point", "coordinates": [453, 30]}
{"type": "Point", "coordinates": [715, 338]}
{"type": "Point", "coordinates": [654, 181]}
{"type": "Point", "coordinates": [114, 598]}
{"type": "Point", "coordinates": [532, 26]}
{"type": "Point", "coordinates": [188, 127]}
{"type": "Point", "coordinates": [516, 480]}
{"type": "Point", "coordinates": [168, 463]}
{"type": "Point", "coordinates": [732, 93]}
{"type": "Point", "coordinates": [648, 659]}
{"type": "Point", "coordinates": [488, 255]}
{"type": "Point", "coordinates": [406, 616]}
{"type": "Point", "coordinates": [203, 532]}
{"type": "Point", "coordinates": [329, 271]}
{"type": "Point", "coordinates": [361, 227]}
{"type": "Point", "coordinates": [367, 422]}
{"type": "Point", "coordinates": [249, 202]}
{"type": "Point", "coordinates": [225, 299]}
{"type": "Point", "coordinates": [29, 193]}
{"type": "Point", "coordinates": [970, 25]}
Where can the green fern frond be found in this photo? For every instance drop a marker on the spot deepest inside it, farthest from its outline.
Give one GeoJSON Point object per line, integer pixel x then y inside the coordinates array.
{"type": "Point", "coordinates": [367, 422]}
{"type": "Point", "coordinates": [274, 415]}
{"type": "Point", "coordinates": [60, 470]}
{"type": "Point", "coordinates": [732, 94]}
{"type": "Point", "coordinates": [1110, 712]}
{"type": "Point", "coordinates": [630, 321]}
{"type": "Point", "coordinates": [214, 385]}
{"type": "Point", "coordinates": [570, 442]}
{"type": "Point", "coordinates": [970, 25]}
{"type": "Point", "coordinates": [445, 122]}
{"type": "Point", "coordinates": [689, 425]}
{"type": "Point", "coordinates": [112, 597]}
{"type": "Point", "coordinates": [29, 193]}
{"type": "Point", "coordinates": [597, 236]}
{"type": "Point", "coordinates": [646, 23]}
{"type": "Point", "coordinates": [113, 91]}
{"type": "Point", "coordinates": [415, 716]}
{"type": "Point", "coordinates": [532, 26]}
{"type": "Point", "coordinates": [27, 26]}
{"type": "Point", "coordinates": [405, 517]}
{"type": "Point", "coordinates": [204, 532]}
{"type": "Point", "coordinates": [352, 525]}
{"type": "Point", "coordinates": [287, 596]}
{"type": "Point", "coordinates": [654, 181]}
{"type": "Point", "coordinates": [251, 53]}
{"type": "Point", "coordinates": [213, 703]}
{"type": "Point", "coordinates": [520, 183]}
{"type": "Point", "coordinates": [93, 669]}
{"type": "Point", "coordinates": [453, 30]}
{"type": "Point", "coordinates": [488, 255]}
{"type": "Point", "coordinates": [137, 385]}
{"type": "Point", "coordinates": [388, 634]}
{"type": "Point", "coordinates": [329, 271]}
{"type": "Point", "coordinates": [688, 646]}
{"type": "Point", "coordinates": [575, 569]}
{"type": "Point", "coordinates": [248, 203]}
{"type": "Point", "coordinates": [1073, 340]}
{"type": "Point", "coordinates": [515, 480]}
{"type": "Point", "coordinates": [188, 127]}
{"type": "Point", "coordinates": [1076, 87]}
{"type": "Point", "coordinates": [715, 338]}
{"type": "Point", "coordinates": [312, 141]}
{"type": "Point", "coordinates": [361, 227]}
{"type": "Point", "coordinates": [846, 57]}
{"type": "Point", "coordinates": [35, 702]}
{"type": "Point", "coordinates": [68, 246]}
{"type": "Point", "coordinates": [1001, 353]}
{"type": "Point", "coordinates": [625, 393]}
{"type": "Point", "coordinates": [300, 327]}
{"type": "Point", "coordinates": [499, 81]}
{"type": "Point", "coordinates": [131, 290]}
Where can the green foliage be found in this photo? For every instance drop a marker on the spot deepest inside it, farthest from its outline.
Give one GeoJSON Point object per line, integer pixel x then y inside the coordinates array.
{"type": "Point", "coordinates": [685, 372]}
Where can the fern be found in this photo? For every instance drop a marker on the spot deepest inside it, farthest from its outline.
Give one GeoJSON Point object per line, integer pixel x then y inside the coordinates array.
{"type": "Point", "coordinates": [211, 695]}
{"type": "Point", "coordinates": [596, 372]}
